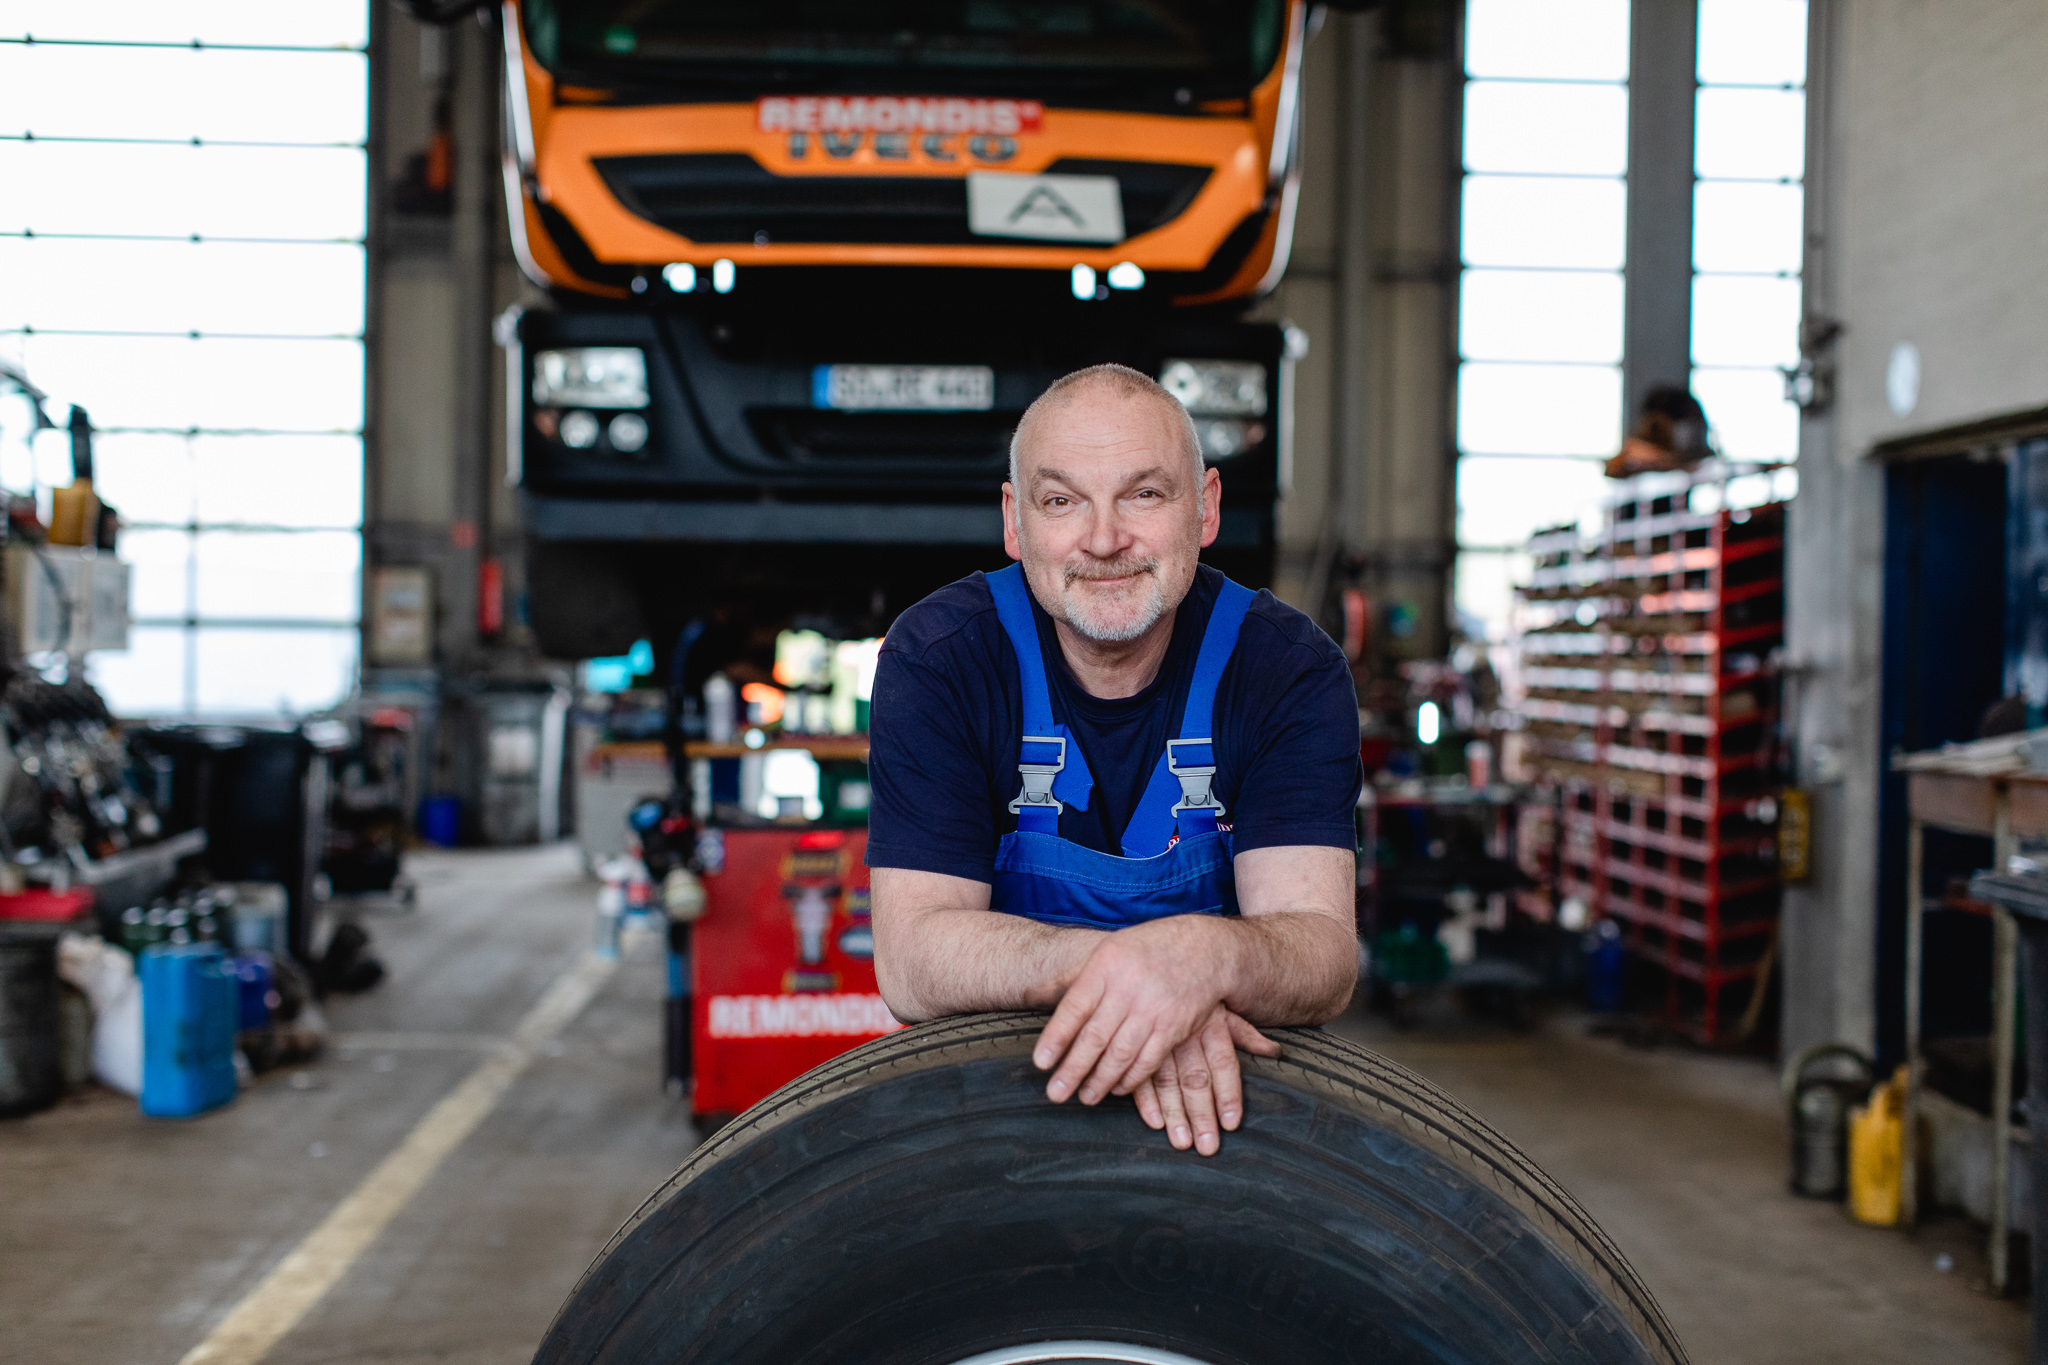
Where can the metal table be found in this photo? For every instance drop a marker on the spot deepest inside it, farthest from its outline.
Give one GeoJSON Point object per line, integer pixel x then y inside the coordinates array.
{"type": "Point", "coordinates": [1989, 789]}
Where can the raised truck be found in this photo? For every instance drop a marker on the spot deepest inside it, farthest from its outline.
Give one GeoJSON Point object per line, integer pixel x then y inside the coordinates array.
{"type": "Point", "coordinates": [807, 262]}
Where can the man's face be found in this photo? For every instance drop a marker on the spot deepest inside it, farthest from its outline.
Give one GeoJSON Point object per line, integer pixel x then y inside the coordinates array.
{"type": "Point", "coordinates": [1108, 514]}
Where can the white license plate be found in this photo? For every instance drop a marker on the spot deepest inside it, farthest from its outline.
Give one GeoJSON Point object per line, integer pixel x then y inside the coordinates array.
{"type": "Point", "coordinates": [904, 388]}
{"type": "Point", "coordinates": [1049, 208]}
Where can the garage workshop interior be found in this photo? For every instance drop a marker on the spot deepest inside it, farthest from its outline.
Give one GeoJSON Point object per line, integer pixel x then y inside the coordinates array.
{"type": "Point", "coordinates": [508, 624]}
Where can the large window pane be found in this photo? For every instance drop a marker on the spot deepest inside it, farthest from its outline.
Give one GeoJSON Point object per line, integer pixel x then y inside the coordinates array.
{"type": "Point", "coordinates": [303, 289]}
{"type": "Point", "coordinates": [219, 382]}
{"type": "Point", "coordinates": [182, 93]}
{"type": "Point", "coordinates": [209, 582]}
{"type": "Point", "coordinates": [159, 586]}
{"type": "Point", "coordinates": [52, 447]}
{"type": "Point", "coordinates": [1515, 221]}
{"type": "Point", "coordinates": [313, 482]}
{"type": "Point", "coordinates": [1584, 40]}
{"type": "Point", "coordinates": [263, 672]}
{"type": "Point", "coordinates": [1539, 409]}
{"type": "Point", "coordinates": [1752, 42]}
{"type": "Point", "coordinates": [144, 476]}
{"type": "Point", "coordinates": [149, 677]}
{"type": "Point", "coordinates": [18, 428]}
{"type": "Point", "coordinates": [1559, 129]}
{"type": "Point", "coordinates": [280, 575]}
{"type": "Point", "coordinates": [1749, 414]}
{"type": "Point", "coordinates": [1502, 502]}
{"type": "Point", "coordinates": [1745, 320]}
{"type": "Point", "coordinates": [1751, 134]}
{"type": "Point", "coordinates": [295, 23]}
{"type": "Point", "coordinates": [1540, 315]}
{"type": "Point", "coordinates": [1747, 227]}
{"type": "Point", "coordinates": [297, 481]}
{"type": "Point", "coordinates": [314, 193]}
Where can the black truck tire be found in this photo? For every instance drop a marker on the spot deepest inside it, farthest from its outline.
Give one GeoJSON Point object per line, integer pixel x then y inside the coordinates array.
{"type": "Point", "coordinates": [918, 1201]}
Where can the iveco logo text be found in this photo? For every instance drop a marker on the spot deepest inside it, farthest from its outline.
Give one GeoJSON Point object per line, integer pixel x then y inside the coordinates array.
{"type": "Point", "coordinates": [897, 146]}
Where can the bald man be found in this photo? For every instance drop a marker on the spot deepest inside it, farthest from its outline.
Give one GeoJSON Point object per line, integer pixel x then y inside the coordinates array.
{"type": "Point", "coordinates": [1110, 780]}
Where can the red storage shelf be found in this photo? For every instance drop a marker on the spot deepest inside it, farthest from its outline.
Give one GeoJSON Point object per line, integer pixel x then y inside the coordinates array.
{"type": "Point", "coordinates": [1653, 716]}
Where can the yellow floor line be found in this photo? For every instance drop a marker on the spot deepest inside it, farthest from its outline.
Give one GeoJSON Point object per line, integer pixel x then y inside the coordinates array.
{"type": "Point", "coordinates": [316, 1264]}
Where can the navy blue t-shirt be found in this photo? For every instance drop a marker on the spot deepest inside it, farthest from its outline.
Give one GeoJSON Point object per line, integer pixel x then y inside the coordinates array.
{"type": "Point", "coordinates": [946, 723]}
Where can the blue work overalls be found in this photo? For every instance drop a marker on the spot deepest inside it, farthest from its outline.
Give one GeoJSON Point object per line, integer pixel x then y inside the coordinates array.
{"type": "Point", "coordinates": [1040, 875]}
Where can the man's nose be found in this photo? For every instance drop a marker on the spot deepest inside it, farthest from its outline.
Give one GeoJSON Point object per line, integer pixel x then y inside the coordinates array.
{"type": "Point", "coordinates": [1107, 535]}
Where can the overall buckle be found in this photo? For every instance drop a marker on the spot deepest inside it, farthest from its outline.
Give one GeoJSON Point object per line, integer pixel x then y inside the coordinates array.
{"type": "Point", "coordinates": [1038, 777]}
{"type": "Point", "coordinates": [1196, 779]}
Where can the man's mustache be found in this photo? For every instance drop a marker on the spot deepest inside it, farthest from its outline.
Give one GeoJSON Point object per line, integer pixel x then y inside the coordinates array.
{"type": "Point", "coordinates": [1116, 568]}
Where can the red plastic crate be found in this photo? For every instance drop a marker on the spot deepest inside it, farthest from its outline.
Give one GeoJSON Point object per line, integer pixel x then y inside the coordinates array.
{"type": "Point", "coordinates": [49, 907]}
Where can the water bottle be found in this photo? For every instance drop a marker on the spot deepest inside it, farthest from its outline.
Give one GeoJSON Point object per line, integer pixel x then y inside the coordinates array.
{"type": "Point", "coordinates": [720, 709]}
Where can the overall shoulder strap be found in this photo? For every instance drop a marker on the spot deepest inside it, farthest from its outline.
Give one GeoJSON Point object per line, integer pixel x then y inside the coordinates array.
{"type": "Point", "coordinates": [1179, 795]}
{"type": "Point", "coordinates": [1047, 758]}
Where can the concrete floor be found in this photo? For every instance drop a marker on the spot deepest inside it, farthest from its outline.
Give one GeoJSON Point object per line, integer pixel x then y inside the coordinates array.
{"type": "Point", "coordinates": [1681, 1157]}
{"type": "Point", "coordinates": [126, 1240]}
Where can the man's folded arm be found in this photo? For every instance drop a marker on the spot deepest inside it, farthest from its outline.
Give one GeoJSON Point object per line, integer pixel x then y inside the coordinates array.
{"type": "Point", "coordinates": [1295, 951]}
{"type": "Point", "coordinates": [939, 950]}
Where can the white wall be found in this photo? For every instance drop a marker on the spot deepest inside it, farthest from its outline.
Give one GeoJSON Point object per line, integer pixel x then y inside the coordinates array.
{"type": "Point", "coordinates": [1941, 148]}
{"type": "Point", "coordinates": [1928, 223]}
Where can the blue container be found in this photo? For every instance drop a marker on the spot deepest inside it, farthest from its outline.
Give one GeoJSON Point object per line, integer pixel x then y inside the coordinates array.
{"type": "Point", "coordinates": [441, 820]}
{"type": "Point", "coordinates": [252, 982]}
{"type": "Point", "coordinates": [1606, 968]}
{"type": "Point", "coordinates": [191, 1003]}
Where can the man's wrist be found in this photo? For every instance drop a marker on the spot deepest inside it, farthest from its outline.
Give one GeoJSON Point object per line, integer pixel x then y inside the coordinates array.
{"type": "Point", "coordinates": [1066, 954]}
{"type": "Point", "coordinates": [1214, 946]}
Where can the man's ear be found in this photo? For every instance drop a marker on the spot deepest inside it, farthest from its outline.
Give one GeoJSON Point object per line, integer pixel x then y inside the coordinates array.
{"type": "Point", "coordinates": [1212, 506]}
{"type": "Point", "coordinates": [1013, 545]}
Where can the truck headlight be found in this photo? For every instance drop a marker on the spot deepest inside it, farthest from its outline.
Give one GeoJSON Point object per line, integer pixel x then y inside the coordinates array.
{"type": "Point", "coordinates": [591, 377]}
{"type": "Point", "coordinates": [1217, 388]}
{"type": "Point", "coordinates": [628, 432]}
{"type": "Point", "coordinates": [579, 430]}
{"type": "Point", "coordinates": [1223, 437]}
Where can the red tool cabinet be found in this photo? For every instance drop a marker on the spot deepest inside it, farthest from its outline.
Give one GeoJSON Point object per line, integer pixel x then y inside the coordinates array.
{"type": "Point", "coordinates": [782, 963]}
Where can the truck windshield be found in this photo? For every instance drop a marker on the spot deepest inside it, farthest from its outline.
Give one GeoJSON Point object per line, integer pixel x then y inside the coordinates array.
{"type": "Point", "coordinates": [1129, 51]}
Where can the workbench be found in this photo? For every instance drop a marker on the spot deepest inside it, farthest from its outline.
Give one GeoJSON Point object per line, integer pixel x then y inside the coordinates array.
{"type": "Point", "coordinates": [1991, 789]}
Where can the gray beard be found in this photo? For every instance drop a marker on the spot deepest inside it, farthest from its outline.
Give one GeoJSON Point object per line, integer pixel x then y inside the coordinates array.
{"type": "Point", "coordinates": [1106, 622]}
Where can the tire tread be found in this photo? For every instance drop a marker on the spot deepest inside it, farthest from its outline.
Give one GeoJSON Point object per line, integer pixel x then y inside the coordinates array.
{"type": "Point", "coordinates": [1312, 1059]}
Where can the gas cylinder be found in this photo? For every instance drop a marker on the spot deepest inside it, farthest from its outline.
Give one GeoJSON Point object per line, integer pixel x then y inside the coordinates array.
{"type": "Point", "coordinates": [1817, 1107]}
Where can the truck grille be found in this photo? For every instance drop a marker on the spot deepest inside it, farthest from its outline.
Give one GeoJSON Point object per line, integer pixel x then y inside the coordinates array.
{"type": "Point", "coordinates": [967, 440]}
{"type": "Point", "coordinates": [730, 197]}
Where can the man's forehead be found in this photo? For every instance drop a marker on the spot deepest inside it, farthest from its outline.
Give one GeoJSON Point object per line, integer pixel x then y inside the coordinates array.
{"type": "Point", "coordinates": [1098, 434]}
{"type": "Point", "coordinates": [1151, 473]}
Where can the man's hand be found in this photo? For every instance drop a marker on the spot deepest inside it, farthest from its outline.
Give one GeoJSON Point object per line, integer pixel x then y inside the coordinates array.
{"type": "Point", "coordinates": [1142, 993]}
{"type": "Point", "coordinates": [1156, 1010]}
{"type": "Point", "coordinates": [1197, 1095]}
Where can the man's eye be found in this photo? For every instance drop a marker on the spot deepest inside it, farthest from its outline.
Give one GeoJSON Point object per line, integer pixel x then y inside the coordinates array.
{"type": "Point", "coordinates": [1055, 502]}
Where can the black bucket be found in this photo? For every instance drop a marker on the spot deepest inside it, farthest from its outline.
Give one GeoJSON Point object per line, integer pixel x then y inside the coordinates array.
{"type": "Point", "coordinates": [31, 1020]}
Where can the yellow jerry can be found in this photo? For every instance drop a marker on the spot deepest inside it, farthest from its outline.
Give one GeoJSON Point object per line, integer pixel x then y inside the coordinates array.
{"type": "Point", "coordinates": [1876, 1133]}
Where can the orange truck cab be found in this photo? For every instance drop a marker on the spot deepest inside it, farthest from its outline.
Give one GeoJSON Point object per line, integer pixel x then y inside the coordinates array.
{"type": "Point", "coordinates": [808, 260]}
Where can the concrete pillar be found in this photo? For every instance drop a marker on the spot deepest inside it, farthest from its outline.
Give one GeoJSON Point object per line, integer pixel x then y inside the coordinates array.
{"type": "Point", "coordinates": [1662, 87]}
{"type": "Point", "coordinates": [1374, 283]}
{"type": "Point", "coordinates": [1834, 623]}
